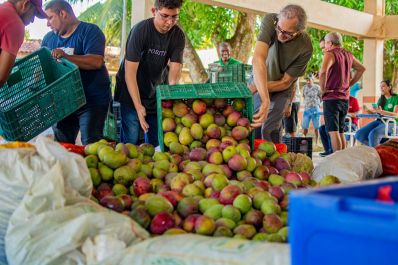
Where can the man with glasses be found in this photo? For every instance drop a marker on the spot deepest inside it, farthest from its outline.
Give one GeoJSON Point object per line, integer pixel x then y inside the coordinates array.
{"type": "Point", "coordinates": [282, 52]}
{"type": "Point", "coordinates": [152, 45]}
{"type": "Point", "coordinates": [14, 16]}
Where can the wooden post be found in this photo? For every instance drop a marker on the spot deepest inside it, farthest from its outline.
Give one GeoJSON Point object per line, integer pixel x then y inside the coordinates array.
{"type": "Point", "coordinates": [140, 10]}
{"type": "Point", "coordinates": [373, 57]}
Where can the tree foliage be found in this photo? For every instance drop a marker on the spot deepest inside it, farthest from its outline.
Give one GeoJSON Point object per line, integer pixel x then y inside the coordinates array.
{"type": "Point", "coordinates": [108, 16]}
{"type": "Point", "coordinates": [206, 25]}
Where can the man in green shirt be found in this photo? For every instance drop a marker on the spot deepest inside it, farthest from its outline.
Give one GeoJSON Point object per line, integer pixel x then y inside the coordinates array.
{"type": "Point", "coordinates": [282, 52]}
{"type": "Point", "coordinates": [225, 52]}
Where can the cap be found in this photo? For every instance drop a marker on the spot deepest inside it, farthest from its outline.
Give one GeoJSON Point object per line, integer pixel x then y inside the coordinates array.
{"type": "Point", "coordinates": [39, 10]}
{"type": "Point", "coordinates": [309, 77]}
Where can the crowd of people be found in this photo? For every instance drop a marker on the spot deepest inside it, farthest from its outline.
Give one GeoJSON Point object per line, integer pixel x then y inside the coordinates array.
{"type": "Point", "coordinates": [154, 54]}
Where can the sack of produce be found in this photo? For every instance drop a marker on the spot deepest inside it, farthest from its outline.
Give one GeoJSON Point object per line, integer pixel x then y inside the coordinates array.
{"type": "Point", "coordinates": [50, 214]}
{"type": "Point", "coordinates": [22, 164]}
{"type": "Point", "coordinates": [201, 250]}
{"type": "Point", "coordinates": [350, 165]}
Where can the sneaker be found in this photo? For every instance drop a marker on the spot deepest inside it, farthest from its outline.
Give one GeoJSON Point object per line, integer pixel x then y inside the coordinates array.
{"type": "Point", "coordinates": [324, 154]}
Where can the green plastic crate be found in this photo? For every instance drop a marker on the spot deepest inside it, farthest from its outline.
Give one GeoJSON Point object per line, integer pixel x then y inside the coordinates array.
{"type": "Point", "coordinates": [39, 92]}
{"type": "Point", "coordinates": [233, 73]}
{"type": "Point", "coordinates": [228, 91]}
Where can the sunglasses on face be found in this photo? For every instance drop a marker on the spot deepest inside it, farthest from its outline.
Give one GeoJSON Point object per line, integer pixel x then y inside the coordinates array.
{"type": "Point", "coordinates": [285, 33]}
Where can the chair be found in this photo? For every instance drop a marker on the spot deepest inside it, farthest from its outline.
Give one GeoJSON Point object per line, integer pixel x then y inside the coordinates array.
{"type": "Point", "coordinates": [390, 121]}
{"type": "Point", "coordinates": [350, 132]}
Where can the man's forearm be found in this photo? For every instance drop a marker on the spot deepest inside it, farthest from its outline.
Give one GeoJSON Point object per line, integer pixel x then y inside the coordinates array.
{"type": "Point", "coordinates": [277, 86]}
{"type": "Point", "coordinates": [174, 73]}
{"type": "Point", "coordinates": [134, 92]}
{"type": "Point", "coordinates": [86, 62]}
{"type": "Point", "coordinates": [356, 77]}
{"type": "Point", "coordinates": [260, 79]}
{"type": "Point", "coordinates": [322, 82]}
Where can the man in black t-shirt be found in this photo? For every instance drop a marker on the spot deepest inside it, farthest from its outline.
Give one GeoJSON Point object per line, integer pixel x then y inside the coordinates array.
{"type": "Point", "coordinates": [152, 45]}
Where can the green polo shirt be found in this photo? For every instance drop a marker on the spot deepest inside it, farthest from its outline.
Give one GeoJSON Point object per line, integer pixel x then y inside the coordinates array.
{"type": "Point", "coordinates": [391, 102]}
{"type": "Point", "coordinates": [231, 61]}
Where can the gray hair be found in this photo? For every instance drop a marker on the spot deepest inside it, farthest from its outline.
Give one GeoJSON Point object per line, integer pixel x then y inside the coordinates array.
{"type": "Point", "coordinates": [224, 45]}
{"type": "Point", "coordinates": [335, 38]}
{"type": "Point", "coordinates": [294, 11]}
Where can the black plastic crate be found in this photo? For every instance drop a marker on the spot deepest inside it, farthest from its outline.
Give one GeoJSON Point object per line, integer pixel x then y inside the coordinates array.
{"type": "Point", "coordinates": [299, 145]}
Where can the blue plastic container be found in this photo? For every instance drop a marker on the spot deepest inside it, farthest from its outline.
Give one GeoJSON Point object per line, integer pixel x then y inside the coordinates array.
{"type": "Point", "coordinates": [344, 225]}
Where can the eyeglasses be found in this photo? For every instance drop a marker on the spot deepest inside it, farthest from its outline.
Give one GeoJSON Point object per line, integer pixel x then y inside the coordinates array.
{"type": "Point", "coordinates": [165, 17]}
{"type": "Point", "coordinates": [287, 34]}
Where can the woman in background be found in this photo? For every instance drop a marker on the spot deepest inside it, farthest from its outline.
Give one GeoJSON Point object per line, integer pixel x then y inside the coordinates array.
{"type": "Point", "coordinates": [373, 133]}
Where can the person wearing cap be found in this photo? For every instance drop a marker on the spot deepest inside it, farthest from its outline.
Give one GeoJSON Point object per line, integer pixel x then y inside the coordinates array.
{"type": "Point", "coordinates": [312, 104]}
{"type": "Point", "coordinates": [84, 45]}
{"type": "Point", "coordinates": [14, 16]}
{"type": "Point", "coordinates": [225, 50]}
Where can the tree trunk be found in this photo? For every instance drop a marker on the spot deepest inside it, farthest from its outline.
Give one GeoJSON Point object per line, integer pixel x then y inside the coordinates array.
{"type": "Point", "coordinates": [191, 59]}
{"type": "Point", "coordinates": [241, 43]}
{"type": "Point", "coordinates": [243, 39]}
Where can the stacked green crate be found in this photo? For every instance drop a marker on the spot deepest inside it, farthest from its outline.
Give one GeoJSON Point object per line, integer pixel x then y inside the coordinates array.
{"type": "Point", "coordinates": [228, 91]}
{"type": "Point", "coordinates": [230, 73]}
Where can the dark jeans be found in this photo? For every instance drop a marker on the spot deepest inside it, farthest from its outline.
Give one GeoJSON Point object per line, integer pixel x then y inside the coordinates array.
{"type": "Point", "coordinates": [88, 119]}
{"type": "Point", "coordinates": [325, 139]}
{"type": "Point", "coordinates": [290, 123]}
{"type": "Point", "coordinates": [131, 127]}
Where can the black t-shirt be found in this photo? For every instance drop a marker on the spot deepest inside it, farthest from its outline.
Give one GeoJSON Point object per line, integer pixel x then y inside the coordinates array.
{"type": "Point", "coordinates": [152, 50]}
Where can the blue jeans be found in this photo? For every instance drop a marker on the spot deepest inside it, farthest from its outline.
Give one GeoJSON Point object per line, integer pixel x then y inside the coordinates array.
{"type": "Point", "coordinates": [371, 134]}
{"type": "Point", "coordinates": [311, 114]}
{"type": "Point", "coordinates": [131, 127]}
{"type": "Point", "coordinates": [89, 120]}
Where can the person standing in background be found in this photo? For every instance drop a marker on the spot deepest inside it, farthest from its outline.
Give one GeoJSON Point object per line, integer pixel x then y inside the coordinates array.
{"type": "Point", "coordinates": [14, 16]}
{"type": "Point", "coordinates": [290, 121]}
{"type": "Point", "coordinates": [84, 45]}
{"type": "Point", "coordinates": [312, 104]}
{"type": "Point", "coordinates": [335, 81]}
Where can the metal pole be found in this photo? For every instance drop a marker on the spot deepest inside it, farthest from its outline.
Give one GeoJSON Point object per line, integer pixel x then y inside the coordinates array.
{"type": "Point", "coordinates": [124, 28]}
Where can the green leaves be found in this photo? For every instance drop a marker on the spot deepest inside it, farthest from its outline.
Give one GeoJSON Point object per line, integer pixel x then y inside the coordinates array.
{"type": "Point", "coordinates": [206, 24]}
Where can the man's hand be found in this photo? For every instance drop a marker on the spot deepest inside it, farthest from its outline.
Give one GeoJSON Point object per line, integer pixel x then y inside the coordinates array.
{"type": "Point", "coordinates": [287, 111]}
{"type": "Point", "coordinates": [141, 113]}
{"type": "Point", "coordinates": [261, 116]}
{"type": "Point", "coordinates": [58, 53]}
